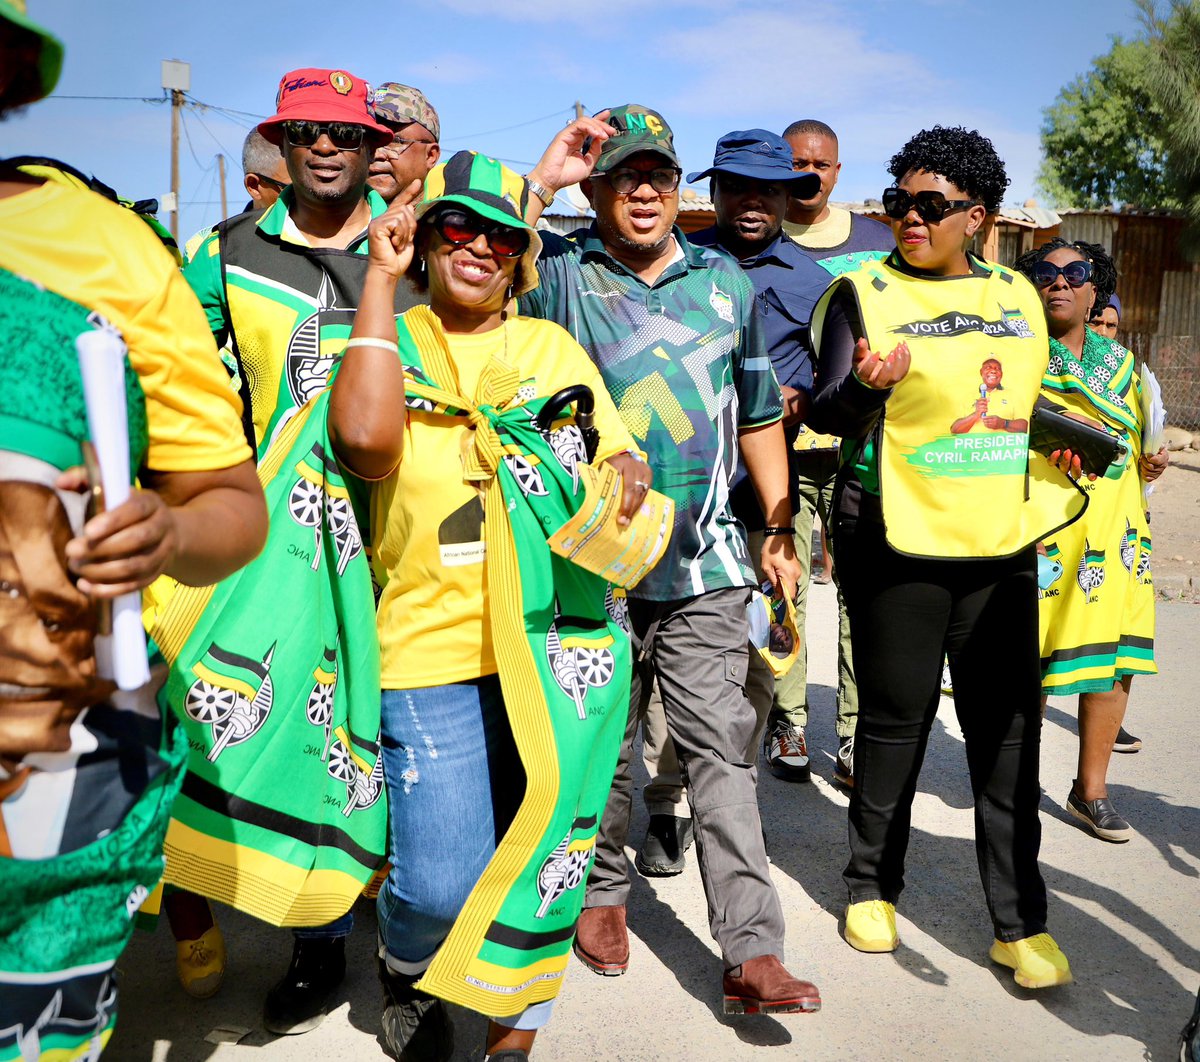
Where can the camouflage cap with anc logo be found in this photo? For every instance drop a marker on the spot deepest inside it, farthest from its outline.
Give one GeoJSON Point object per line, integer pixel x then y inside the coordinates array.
{"type": "Point", "coordinates": [637, 129]}
{"type": "Point", "coordinates": [401, 104]}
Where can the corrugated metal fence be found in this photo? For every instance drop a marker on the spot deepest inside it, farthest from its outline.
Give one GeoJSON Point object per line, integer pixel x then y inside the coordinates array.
{"type": "Point", "coordinates": [1160, 299]}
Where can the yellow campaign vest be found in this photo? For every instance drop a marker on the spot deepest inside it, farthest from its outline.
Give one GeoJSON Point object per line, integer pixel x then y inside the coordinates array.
{"type": "Point", "coordinates": [951, 486]}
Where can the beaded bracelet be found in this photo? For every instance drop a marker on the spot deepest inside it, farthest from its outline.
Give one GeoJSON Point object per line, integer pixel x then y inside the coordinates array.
{"type": "Point", "coordinates": [779, 530]}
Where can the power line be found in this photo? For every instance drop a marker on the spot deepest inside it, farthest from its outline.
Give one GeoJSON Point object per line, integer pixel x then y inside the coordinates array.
{"type": "Point", "coordinates": [519, 125]}
{"type": "Point", "coordinates": [228, 153]}
{"type": "Point", "coordinates": [139, 99]}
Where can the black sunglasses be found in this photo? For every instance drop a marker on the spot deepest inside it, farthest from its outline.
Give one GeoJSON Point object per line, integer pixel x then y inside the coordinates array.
{"type": "Point", "coordinates": [460, 228]}
{"type": "Point", "coordinates": [931, 206]}
{"type": "Point", "coordinates": [345, 136]}
{"type": "Point", "coordinates": [1075, 273]}
{"type": "Point", "coordinates": [279, 186]}
{"type": "Point", "coordinates": [627, 179]}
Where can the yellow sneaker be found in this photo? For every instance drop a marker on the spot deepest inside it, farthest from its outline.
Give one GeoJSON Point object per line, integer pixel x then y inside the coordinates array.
{"type": "Point", "coordinates": [1037, 961]}
{"type": "Point", "coordinates": [200, 963]}
{"type": "Point", "coordinates": [871, 926]}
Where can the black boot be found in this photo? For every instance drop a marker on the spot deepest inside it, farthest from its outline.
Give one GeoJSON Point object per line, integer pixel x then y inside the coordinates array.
{"type": "Point", "coordinates": [416, 1026]}
{"type": "Point", "coordinates": [662, 852]}
{"type": "Point", "coordinates": [299, 1002]}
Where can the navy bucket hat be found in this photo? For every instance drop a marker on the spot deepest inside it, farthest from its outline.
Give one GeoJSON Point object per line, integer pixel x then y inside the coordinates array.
{"type": "Point", "coordinates": [761, 156]}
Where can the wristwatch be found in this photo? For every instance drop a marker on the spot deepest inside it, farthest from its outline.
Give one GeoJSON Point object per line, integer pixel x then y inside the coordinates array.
{"type": "Point", "coordinates": [540, 190]}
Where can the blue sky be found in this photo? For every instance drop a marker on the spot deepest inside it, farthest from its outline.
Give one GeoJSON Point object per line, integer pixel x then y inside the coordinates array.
{"type": "Point", "coordinates": [504, 74]}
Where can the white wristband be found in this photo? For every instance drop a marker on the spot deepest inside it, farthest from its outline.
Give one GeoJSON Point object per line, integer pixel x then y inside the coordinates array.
{"type": "Point", "coordinates": [381, 344]}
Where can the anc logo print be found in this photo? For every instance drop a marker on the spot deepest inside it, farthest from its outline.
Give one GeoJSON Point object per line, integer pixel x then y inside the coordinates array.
{"type": "Point", "coordinates": [232, 694]}
{"type": "Point", "coordinates": [580, 657]}
{"type": "Point", "coordinates": [1090, 573]}
{"type": "Point", "coordinates": [1049, 571]}
{"type": "Point", "coordinates": [565, 868]}
{"type": "Point", "coordinates": [1129, 542]}
{"type": "Point", "coordinates": [319, 497]}
{"type": "Point", "coordinates": [306, 368]}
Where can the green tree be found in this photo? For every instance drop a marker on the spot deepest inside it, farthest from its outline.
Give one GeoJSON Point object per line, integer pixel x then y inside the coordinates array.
{"type": "Point", "coordinates": [1103, 139]}
{"type": "Point", "coordinates": [1172, 75]}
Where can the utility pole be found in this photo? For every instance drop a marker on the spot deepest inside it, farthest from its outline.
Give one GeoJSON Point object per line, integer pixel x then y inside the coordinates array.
{"type": "Point", "coordinates": [177, 79]}
{"type": "Point", "coordinates": [578, 109]}
{"type": "Point", "coordinates": [221, 169]}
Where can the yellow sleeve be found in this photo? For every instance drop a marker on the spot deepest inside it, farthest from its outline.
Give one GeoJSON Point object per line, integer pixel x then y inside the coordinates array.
{"type": "Point", "coordinates": [194, 413]}
{"type": "Point", "coordinates": [573, 366]}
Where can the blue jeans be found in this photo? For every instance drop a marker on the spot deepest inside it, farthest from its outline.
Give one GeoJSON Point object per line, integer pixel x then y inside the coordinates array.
{"type": "Point", "coordinates": [454, 783]}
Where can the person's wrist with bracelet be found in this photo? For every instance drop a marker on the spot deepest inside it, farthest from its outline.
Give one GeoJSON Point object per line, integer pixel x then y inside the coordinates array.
{"type": "Point", "coordinates": [771, 531]}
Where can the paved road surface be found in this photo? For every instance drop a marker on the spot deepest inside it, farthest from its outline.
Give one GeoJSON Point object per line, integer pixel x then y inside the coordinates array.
{"type": "Point", "coordinates": [1128, 917]}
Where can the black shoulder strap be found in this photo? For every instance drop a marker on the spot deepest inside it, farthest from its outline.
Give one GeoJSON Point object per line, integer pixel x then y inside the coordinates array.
{"type": "Point", "coordinates": [243, 382]}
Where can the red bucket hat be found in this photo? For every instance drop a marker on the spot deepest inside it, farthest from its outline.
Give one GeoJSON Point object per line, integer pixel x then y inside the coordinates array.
{"type": "Point", "coordinates": [314, 95]}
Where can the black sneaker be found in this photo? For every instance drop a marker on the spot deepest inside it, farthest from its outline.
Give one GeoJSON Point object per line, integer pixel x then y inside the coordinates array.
{"type": "Point", "coordinates": [668, 837]}
{"type": "Point", "coordinates": [1126, 742]}
{"type": "Point", "coordinates": [787, 752]}
{"type": "Point", "coordinates": [299, 1002]}
{"type": "Point", "coordinates": [843, 764]}
{"type": "Point", "coordinates": [416, 1026]}
{"type": "Point", "coordinates": [1100, 817]}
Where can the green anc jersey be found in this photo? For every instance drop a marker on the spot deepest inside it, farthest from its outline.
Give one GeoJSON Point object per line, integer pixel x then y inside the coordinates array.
{"type": "Point", "coordinates": [287, 308]}
{"type": "Point", "coordinates": [686, 364]}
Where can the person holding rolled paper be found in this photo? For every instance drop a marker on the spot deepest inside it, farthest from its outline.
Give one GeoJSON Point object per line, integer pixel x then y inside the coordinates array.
{"type": "Point", "coordinates": [88, 772]}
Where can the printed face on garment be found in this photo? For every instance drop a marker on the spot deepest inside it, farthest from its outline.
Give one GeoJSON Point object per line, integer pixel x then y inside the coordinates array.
{"type": "Point", "coordinates": [815, 153]}
{"type": "Point", "coordinates": [991, 373]}
{"type": "Point", "coordinates": [323, 173]}
{"type": "Point", "coordinates": [639, 221]}
{"type": "Point", "coordinates": [1066, 306]}
{"type": "Point", "coordinates": [937, 247]}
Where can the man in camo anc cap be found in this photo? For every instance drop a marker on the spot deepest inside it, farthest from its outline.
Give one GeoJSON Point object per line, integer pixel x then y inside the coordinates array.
{"type": "Point", "coordinates": [414, 149]}
{"type": "Point", "coordinates": [674, 331]}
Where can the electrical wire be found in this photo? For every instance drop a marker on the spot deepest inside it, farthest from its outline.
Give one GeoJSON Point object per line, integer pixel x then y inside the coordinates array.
{"type": "Point", "coordinates": [519, 125]}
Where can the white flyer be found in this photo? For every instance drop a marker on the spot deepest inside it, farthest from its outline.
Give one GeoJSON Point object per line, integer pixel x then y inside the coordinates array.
{"type": "Point", "coordinates": [1154, 419]}
{"type": "Point", "coordinates": [120, 656]}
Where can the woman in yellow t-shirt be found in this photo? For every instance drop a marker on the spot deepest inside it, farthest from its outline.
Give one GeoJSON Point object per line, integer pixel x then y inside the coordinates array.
{"type": "Point", "coordinates": [453, 774]}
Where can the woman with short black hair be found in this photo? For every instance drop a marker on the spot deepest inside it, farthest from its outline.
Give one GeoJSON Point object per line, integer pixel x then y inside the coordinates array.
{"type": "Point", "coordinates": [935, 518]}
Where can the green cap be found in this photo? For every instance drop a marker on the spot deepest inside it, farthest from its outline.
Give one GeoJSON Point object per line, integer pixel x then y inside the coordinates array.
{"type": "Point", "coordinates": [637, 129]}
{"type": "Point", "coordinates": [50, 57]}
{"type": "Point", "coordinates": [491, 190]}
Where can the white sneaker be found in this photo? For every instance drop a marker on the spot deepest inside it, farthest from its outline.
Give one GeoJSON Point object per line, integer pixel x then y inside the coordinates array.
{"type": "Point", "coordinates": [787, 752]}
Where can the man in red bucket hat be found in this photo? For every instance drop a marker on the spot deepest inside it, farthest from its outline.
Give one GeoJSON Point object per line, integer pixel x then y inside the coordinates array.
{"type": "Point", "coordinates": [282, 286]}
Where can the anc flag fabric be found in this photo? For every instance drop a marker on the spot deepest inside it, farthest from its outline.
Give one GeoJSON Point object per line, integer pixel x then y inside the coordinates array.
{"type": "Point", "coordinates": [564, 663]}
{"type": "Point", "coordinates": [275, 677]}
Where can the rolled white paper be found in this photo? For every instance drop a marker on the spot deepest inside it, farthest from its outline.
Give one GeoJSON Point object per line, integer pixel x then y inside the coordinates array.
{"type": "Point", "coordinates": [120, 656]}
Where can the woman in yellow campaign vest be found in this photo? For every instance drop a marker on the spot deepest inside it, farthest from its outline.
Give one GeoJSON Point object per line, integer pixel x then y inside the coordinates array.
{"type": "Point", "coordinates": [929, 366]}
{"type": "Point", "coordinates": [1097, 596]}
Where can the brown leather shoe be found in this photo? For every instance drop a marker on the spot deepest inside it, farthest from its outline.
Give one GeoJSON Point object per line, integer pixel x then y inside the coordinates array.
{"type": "Point", "coordinates": [763, 986]}
{"type": "Point", "coordinates": [601, 942]}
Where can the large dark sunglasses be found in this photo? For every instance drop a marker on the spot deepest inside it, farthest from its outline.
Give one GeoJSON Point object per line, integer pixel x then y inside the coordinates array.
{"type": "Point", "coordinates": [627, 179]}
{"type": "Point", "coordinates": [931, 206]}
{"type": "Point", "coordinates": [1075, 273]}
{"type": "Point", "coordinates": [460, 228]}
{"type": "Point", "coordinates": [345, 136]}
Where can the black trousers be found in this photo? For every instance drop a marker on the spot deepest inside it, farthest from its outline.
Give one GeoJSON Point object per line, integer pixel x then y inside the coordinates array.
{"type": "Point", "coordinates": [905, 612]}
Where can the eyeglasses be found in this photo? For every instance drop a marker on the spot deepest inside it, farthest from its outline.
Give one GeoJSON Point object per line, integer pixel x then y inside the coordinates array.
{"type": "Point", "coordinates": [279, 186]}
{"type": "Point", "coordinates": [1075, 273]}
{"type": "Point", "coordinates": [627, 179]}
{"type": "Point", "coordinates": [931, 206]}
{"type": "Point", "coordinates": [395, 153]}
{"type": "Point", "coordinates": [460, 228]}
{"type": "Point", "coordinates": [345, 136]}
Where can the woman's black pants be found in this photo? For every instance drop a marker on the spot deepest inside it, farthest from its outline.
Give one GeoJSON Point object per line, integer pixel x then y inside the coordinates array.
{"type": "Point", "coordinates": [905, 612]}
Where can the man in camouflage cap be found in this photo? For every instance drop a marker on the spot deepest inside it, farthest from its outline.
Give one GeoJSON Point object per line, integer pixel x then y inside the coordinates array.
{"type": "Point", "coordinates": [673, 329]}
{"type": "Point", "coordinates": [414, 149]}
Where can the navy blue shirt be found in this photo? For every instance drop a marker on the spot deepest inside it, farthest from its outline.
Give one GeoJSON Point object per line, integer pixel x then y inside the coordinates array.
{"type": "Point", "coordinates": [787, 284]}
